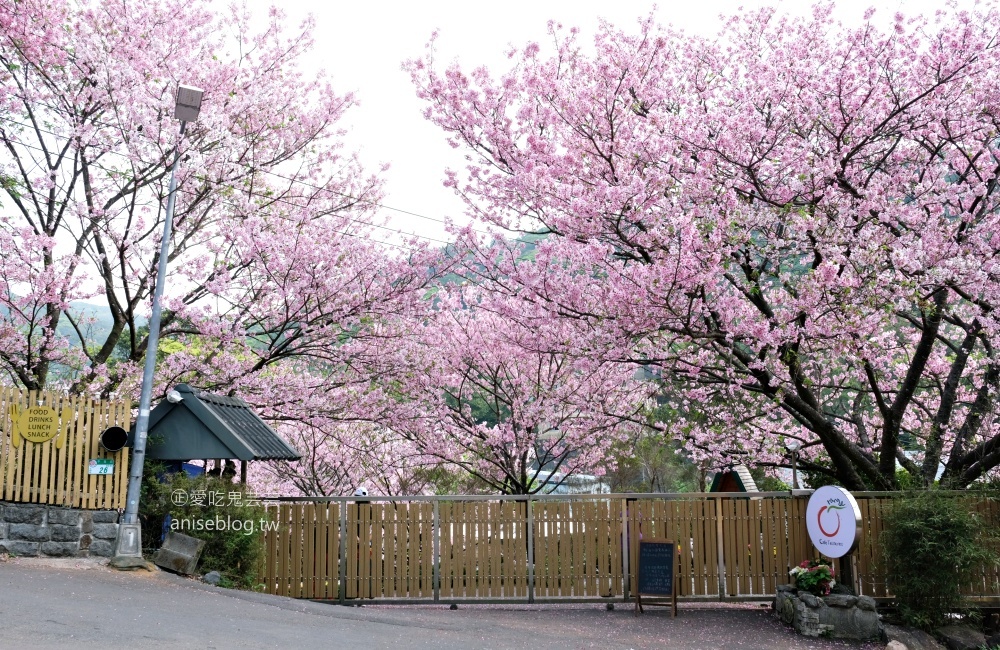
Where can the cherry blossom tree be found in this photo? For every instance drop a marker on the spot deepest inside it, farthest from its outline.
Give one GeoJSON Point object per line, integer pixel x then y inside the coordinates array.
{"type": "Point", "coordinates": [272, 267]}
{"type": "Point", "coordinates": [795, 224]}
{"type": "Point", "coordinates": [367, 456]}
{"type": "Point", "coordinates": [517, 400]}
{"type": "Point", "coordinates": [268, 260]}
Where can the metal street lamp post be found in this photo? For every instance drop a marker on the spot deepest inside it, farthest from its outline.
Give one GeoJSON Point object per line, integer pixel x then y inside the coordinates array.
{"type": "Point", "coordinates": [793, 446]}
{"type": "Point", "coordinates": [128, 545]}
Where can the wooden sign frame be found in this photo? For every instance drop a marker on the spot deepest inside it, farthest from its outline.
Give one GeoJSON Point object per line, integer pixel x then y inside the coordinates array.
{"type": "Point", "coordinates": [672, 603]}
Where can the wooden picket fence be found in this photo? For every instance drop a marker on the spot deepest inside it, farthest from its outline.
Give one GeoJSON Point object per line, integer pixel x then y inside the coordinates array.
{"type": "Point", "coordinates": [56, 471]}
{"type": "Point", "coordinates": [556, 548]}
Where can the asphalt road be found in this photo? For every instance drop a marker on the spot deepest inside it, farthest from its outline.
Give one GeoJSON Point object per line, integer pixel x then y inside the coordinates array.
{"type": "Point", "coordinates": [82, 604]}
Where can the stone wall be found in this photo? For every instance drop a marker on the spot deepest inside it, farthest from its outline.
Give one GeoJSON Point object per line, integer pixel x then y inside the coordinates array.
{"type": "Point", "coordinates": [839, 616]}
{"type": "Point", "coordinates": [32, 529]}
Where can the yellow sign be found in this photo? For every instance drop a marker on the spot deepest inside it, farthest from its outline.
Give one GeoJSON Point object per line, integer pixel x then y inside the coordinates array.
{"type": "Point", "coordinates": [38, 423]}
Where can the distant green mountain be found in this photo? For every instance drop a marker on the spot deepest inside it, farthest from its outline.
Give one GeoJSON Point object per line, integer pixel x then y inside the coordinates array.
{"type": "Point", "coordinates": [93, 319]}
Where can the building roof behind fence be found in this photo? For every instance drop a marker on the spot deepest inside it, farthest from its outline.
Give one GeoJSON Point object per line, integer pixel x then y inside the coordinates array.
{"type": "Point", "coordinates": [204, 425]}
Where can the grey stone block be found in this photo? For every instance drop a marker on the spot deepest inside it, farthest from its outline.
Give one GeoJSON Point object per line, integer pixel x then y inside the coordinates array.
{"type": "Point", "coordinates": [60, 549]}
{"type": "Point", "coordinates": [105, 531]}
{"type": "Point", "coordinates": [64, 517]}
{"type": "Point", "coordinates": [179, 553]}
{"type": "Point", "coordinates": [104, 517]}
{"type": "Point", "coordinates": [812, 616]}
{"type": "Point", "coordinates": [21, 549]}
{"type": "Point", "coordinates": [102, 548]}
{"type": "Point", "coordinates": [851, 623]}
{"type": "Point", "coordinates": [784, 606]}
{"type": "Point", "coordinates": [961, 637]}
{"type": "Point", "coordinates": [86, 524]}
{"type": "Point", "coordinates": [3, 530]}
{"type": "Point", "coordinates": [809, 600]}
{"type": "Point", "coordinates": [840, 600]}
{"type": "Point", "coordinates": [867, 603]}
{"type": "Point", "coordinates": [65, 533]}
{"type": "Point", "coordinates": [85, 541]}
{"type": "Point", "coordinates": [1, 512]}
{"type": "Point", "coordinates": [20, 514]}
{"type": "Point", "coordinates": [806, 619]}
{"type": "Point", "coordinates": [29, 532]}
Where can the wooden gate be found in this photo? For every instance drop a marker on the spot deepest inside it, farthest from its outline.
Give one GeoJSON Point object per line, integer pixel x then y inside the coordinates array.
{"type": "Point", "coordinates": [556, 548]}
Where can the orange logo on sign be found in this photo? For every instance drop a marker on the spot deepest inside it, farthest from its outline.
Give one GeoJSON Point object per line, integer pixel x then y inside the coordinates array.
{"type": "Point", "coordinates": [819, 520]}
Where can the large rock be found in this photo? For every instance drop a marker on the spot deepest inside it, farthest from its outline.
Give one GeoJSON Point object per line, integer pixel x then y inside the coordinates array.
{"type": "Point", "coordinates": [911, 638]}
{"type": "Point", "coordinates": [961, 637]}
{"type": "Point", "coordinates": [850, 622]}
{"type": "Point", "coordinates": [840, 600]}
{"type": "Point", "coordinates": [867, 603]}
{"type": "Point", "coordinates": [810, 600]}
{"type": "Point", "coordinates": [837, 616]}
{"type": "Point", "coordinates": [784, 606]}
{"type": "Point", "coordinates": [895, 645]}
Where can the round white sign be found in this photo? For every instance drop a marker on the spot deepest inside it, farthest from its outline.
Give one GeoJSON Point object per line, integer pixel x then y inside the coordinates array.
{"type": "Point", "coordinates": [834, 521]}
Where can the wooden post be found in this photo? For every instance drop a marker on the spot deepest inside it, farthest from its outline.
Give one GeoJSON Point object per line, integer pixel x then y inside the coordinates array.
{"type": "Point", "coordinates": [626, 580]}
{"type": "Point", "coordinates": [531, 553]}
{"type": "Point", "coordinates": [721, 548]}
{"type": "Point", "coordinates": [243, 471]}
{"type": "Point", "coordinates": [343, 552]}
{"type": "Point", "coordinates": [437, 552]}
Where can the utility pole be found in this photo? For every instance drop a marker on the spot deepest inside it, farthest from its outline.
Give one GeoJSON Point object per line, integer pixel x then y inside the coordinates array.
{"type": "Point", "coordinates": [128, 545]}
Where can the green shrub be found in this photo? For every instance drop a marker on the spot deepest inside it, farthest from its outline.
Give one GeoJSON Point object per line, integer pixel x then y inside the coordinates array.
{"type": "Point", "coordinates": [231, 549]}
{"type": "Point", "coordinates": [932, 545]}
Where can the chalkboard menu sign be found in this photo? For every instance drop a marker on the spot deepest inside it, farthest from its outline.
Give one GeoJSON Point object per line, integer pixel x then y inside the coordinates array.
{"type": "Point", "coordinates": [655, 573]}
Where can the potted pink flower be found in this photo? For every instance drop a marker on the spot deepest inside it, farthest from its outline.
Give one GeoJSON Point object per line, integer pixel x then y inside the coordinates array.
{"type": "Point", "coordinates": [814, 576]}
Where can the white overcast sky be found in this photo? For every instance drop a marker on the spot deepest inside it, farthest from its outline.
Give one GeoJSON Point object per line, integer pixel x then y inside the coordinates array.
{"type": "Point", "coordinates": [363, 44]}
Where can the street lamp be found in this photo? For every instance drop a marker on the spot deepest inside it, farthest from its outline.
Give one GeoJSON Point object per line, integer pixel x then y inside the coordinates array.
{"type": "Point", "coordinates": [128, 546]}
{"type": "Point", "coordinates": [793, 446]}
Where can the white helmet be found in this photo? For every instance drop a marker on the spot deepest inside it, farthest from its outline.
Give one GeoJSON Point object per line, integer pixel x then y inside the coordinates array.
{"type": "Point", "coordinates": [361, 492]}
